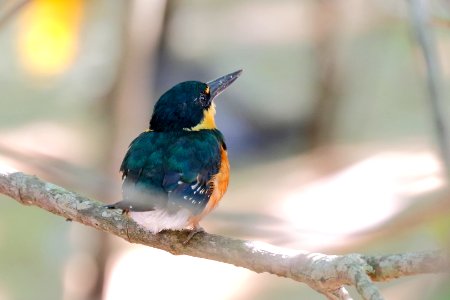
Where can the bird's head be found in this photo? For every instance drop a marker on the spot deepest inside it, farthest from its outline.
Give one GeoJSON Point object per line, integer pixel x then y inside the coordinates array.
{"type": "Point", "coordinates": [189, 105]}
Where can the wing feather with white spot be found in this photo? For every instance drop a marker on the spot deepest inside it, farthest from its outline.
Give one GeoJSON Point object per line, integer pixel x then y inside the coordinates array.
{"type": "Point", "coordinates": [190, 194]}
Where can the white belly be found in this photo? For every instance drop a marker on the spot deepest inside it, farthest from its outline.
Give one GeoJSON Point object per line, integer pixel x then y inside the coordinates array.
{"type": "Point", "coordinates": [158, 220]}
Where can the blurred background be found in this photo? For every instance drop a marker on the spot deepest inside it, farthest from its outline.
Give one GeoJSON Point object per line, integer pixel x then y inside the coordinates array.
{"type": "Point", "coordinates": [330, 133]}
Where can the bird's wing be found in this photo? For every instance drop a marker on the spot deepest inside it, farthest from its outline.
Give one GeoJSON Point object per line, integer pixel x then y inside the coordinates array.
{"type": "Point", "coordinates": [192, 194]}
{"type": "Point", "coordinates": [194, 160]}
{"type": "Point", "coordinates": [161, 171]}
{"type": "Point", "coordinates": [142, 173]}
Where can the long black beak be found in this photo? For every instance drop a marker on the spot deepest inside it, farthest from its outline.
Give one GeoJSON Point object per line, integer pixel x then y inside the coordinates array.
{"type": "Point", "coordinates": [218, 85]}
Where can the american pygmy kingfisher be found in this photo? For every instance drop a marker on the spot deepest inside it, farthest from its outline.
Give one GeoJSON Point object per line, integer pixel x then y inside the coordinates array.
{"type": "Point", "coordinates": [176, 171]}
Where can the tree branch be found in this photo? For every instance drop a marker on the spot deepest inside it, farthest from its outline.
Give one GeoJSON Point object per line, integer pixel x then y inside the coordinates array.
{"type": "Point", "coordinates": [421, 24]}
{"type": "Point", "coordinates": [326, 274]}
{"type": "Point", "coordinates": [12, 11]}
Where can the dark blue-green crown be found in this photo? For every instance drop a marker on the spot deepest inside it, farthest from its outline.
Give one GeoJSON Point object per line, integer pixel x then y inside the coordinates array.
{"type": "Point", "coordinates": [181, 107]}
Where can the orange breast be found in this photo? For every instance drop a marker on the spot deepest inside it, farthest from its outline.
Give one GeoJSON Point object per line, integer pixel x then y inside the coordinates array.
{"type": "Point", "coordinates": [220, 184]}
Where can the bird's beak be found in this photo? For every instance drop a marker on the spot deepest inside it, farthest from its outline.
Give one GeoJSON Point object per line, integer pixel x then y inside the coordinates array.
{"type": "Point", "coordinates": [218, 85]}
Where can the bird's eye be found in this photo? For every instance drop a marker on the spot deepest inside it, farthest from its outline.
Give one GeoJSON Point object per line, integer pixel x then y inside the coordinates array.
{"type": "Point", "coordinates": [204, 99]}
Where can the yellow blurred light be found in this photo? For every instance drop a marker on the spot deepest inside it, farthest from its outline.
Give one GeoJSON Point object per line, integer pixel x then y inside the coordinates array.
{"type": "Point", "coordinates": [48, 35]}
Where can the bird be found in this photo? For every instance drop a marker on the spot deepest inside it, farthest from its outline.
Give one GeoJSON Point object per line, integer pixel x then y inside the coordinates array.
{"type": "Point", "coordinates": [176, 172]}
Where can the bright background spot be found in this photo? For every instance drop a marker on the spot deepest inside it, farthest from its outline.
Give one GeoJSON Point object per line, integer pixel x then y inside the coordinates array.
{"type": "Point", "coordinates": [143, 273]}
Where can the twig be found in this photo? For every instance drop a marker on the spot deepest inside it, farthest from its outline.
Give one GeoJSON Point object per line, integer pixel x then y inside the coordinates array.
{"type": "Point", "coordinates": [420, 22]}
{"type": "Point", "coordinates": [11, 12]}
{"type": "Point", "coordinates": [326, 274]}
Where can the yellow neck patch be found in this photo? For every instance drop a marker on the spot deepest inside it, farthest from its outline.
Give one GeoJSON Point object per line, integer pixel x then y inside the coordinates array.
{"type": "Point", "coordinates": [208, 121]}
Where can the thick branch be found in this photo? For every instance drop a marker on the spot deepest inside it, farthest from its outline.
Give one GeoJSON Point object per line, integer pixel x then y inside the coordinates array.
{"type": "Point", "coordinates": [324, 273]}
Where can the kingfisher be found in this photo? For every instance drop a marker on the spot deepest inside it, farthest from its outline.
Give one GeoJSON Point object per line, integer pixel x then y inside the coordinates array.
{"type": "Point", "coordinates": [177, 171]}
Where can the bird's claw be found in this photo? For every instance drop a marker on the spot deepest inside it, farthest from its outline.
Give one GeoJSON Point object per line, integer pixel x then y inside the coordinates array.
{"type": "Point", "coordinates": [112, 206]}
{"type": "Point", "coordinates": [193, 232]}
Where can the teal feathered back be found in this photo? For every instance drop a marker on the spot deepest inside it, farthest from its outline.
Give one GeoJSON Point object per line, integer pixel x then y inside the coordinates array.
{"type": "Point", "coordinates": [170, 170]}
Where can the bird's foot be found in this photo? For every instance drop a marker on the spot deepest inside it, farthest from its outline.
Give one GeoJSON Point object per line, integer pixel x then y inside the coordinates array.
{"type": "Point", "coordinates": [113, 206]}
{"type": "Point", "coordinates": [193, 232]}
